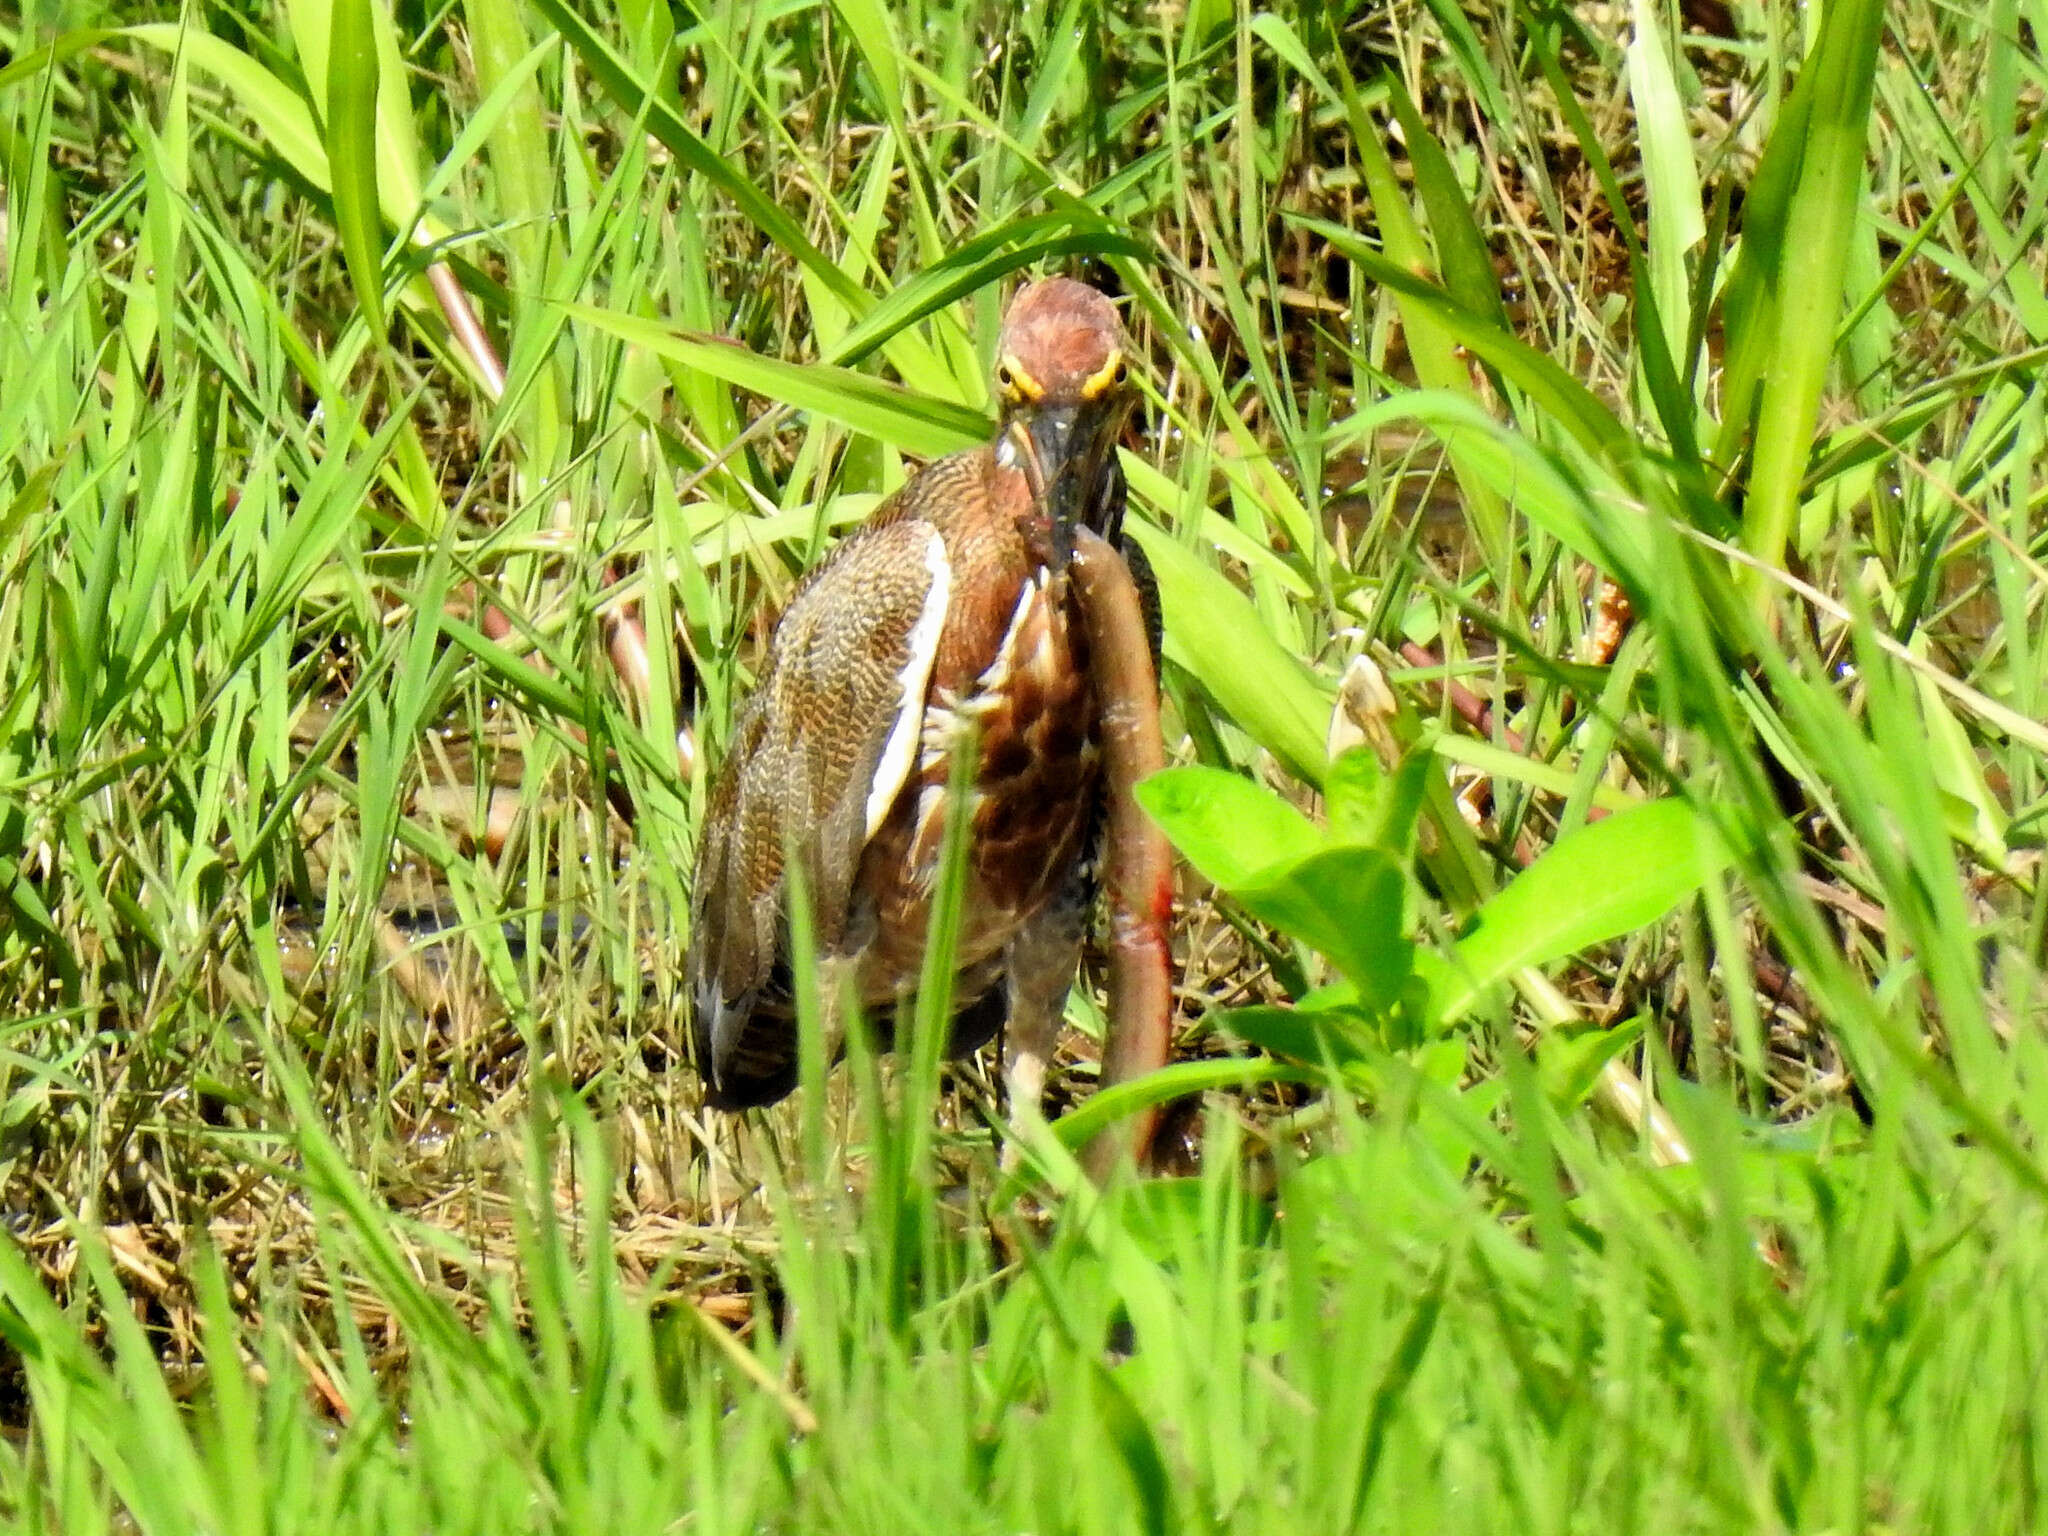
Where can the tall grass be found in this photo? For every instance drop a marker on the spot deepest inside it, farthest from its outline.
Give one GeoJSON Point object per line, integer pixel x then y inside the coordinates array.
{"type": "Point", "coordinates": [323, 1220]}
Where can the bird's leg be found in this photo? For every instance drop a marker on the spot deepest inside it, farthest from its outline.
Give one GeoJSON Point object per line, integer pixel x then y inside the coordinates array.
{"type": "Point", "coordinates": [1043, 958]}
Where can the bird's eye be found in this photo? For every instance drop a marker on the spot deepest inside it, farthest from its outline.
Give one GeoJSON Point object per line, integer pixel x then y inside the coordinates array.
{"type": "Point", "coordinates": [1005, 380]}
{"type": "Point", "coordinates": [1122, 374]}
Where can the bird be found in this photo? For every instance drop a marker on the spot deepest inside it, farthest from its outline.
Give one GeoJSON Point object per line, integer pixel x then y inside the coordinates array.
{"type": "Point", "coordinates": [947, 614]}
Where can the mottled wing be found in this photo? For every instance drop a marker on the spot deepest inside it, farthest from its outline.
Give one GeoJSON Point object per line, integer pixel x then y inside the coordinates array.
{"type": "Point", "coordinates": [817, 756]}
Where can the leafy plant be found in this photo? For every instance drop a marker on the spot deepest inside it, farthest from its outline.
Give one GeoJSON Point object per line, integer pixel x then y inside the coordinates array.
{"type": "Point", "coordinates": [1347, 892]}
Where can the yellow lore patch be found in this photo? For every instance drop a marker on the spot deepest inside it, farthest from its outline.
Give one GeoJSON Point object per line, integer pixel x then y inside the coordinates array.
{"type": "Point", "coordinates": [1015, 380]}
{"type": "Point", "coordinates": [1105, 378]}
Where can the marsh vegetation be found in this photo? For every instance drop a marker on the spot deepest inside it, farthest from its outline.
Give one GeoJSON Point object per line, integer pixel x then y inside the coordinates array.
{"type": "Point", "coordinates": [1613, 1094]}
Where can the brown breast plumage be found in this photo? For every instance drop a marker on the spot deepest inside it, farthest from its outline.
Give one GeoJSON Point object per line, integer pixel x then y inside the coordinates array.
{"type": "Point", "coordinates": [831, 759]}
{"type": "Point", "coordinates": [1032, 802]}
{"type": "Point", "coordinates": [1012, 666]}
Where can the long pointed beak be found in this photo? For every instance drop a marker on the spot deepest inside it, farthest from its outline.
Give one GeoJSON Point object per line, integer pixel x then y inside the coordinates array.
{"type": "Point", "coordinates": [1053, 445]}
{"type": "Point", "coordinates": [1056, 447]}
{"type": "Point", "coordinates": [1066, 453]}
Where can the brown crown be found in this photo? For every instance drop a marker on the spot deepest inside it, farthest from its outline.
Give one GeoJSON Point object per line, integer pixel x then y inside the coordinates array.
{"type": "Point", "coordinates": [1064, 333]}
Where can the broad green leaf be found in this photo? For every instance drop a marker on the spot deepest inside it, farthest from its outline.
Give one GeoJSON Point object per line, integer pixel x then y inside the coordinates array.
{"type": "Point", "coordinates": [1352, 790]}
{"type": "Point", "coordinates": [1347, 904]}
{"type": "Point", "coordinates": [1604, 880]}
{"type": "Point", "coordinates": [1300, 1034]}
{"type": "Point", "coordinates": [1232, 830]}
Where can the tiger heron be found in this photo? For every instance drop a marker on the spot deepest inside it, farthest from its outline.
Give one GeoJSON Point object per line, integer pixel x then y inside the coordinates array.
{"type": "Point", "coordinates": [955, 604]}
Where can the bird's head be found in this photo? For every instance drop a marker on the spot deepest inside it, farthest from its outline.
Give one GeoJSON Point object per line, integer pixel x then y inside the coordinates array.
{"type": "Point", "coordinates": [1063, 379]}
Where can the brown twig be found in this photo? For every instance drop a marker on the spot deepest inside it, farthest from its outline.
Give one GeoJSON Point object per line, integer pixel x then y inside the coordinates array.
{"type": "Point", "coordinates": [1472, 709]}
{"type": "Point", "coordinates": [467, 328]}
{"type": "Point", "coordinates": [626, 641]}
